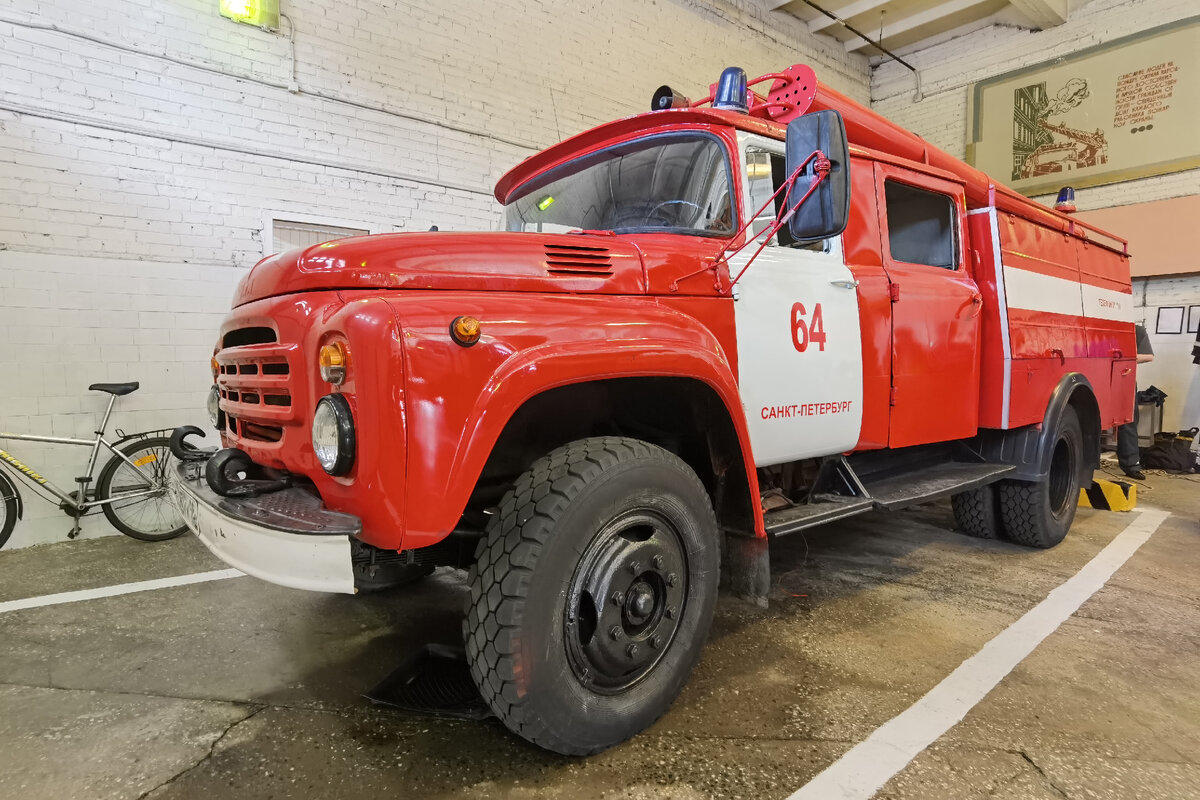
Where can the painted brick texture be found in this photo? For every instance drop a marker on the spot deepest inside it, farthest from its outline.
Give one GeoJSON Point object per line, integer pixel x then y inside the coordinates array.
{"type": "Point", "coordinates": [144, 148]}
{"type": "Point", "coordinates": [948, 70]}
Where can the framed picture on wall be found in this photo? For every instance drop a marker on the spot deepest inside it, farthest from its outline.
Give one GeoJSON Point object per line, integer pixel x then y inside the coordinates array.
{"type": "Point", "coordinates": [1170, 320]}
{"type": "Point", "coordinates": [1112, 112]}
{"type": "Point", "coordinates": [1193, 319]}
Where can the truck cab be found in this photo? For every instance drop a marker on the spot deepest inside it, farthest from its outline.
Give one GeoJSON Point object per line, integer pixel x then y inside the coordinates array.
{"type": "Point", "coordinates": [702, 326]}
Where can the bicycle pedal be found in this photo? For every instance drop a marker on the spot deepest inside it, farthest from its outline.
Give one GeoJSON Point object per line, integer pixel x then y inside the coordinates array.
{"type": "Point", "coordinates": [74, 532]}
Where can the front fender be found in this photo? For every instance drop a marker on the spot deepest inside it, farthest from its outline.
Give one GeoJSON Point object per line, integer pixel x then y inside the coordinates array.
{"type": "Point", "coordinates": [458, 400]}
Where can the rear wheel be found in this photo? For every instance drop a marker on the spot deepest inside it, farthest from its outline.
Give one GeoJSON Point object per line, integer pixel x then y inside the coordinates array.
{"type": "Point", "coordinates": [148, 514]}
{"type": "Point", "coordinates": [592, 594]}
{"type": "Point", "coordinates": [977, 513]}
{"type": "Point", "coordinates": [8, 509]}
{"type": "Point", "coordinates": [1040, 514]}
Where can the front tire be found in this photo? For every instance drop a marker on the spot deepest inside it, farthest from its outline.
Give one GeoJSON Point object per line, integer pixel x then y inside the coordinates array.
{"type": "Point", "coordinates": [153, 517]}
{"type": "Point", "coordinates": [1040, 514]}
{"type": "Point", "coordinates": [592, 594]}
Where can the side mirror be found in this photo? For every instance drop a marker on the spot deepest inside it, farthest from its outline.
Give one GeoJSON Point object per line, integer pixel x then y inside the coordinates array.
{"type": "Point", "coordinates": [825, 212]}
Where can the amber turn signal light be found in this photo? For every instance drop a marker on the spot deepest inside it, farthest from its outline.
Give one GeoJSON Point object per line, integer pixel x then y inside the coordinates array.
{"type": "Point", "coordinates": [332, 361]}
{"type": "Point", "coordinates": [216, 367]}
{"type": "Point", "coordinates": [465, 330]}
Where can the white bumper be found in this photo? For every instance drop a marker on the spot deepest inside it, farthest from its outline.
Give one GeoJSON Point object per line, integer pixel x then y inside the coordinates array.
{"type": "Point", "coordinates": [289, 550]}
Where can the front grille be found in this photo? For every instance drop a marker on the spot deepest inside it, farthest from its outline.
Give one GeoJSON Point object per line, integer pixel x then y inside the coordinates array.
{"type": "Point", "coordinates": [253, 381]}
{"type": "Point", "coordinates": [578, 260]}
{"type": "Point", "coordinates": [243, 336]}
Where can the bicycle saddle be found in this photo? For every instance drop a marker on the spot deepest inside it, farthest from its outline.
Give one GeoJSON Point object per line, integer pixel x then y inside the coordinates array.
{"type": "Point", "coordinates": [115, 388]}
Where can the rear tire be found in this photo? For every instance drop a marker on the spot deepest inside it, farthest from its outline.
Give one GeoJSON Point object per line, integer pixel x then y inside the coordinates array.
{"type": "Point", "coordinates": [977, 513]}
{"type": "Point", "coordinates": [151, 518]}
{"type": "Point", "coordinates": [592, 594]}
{"type": "Point", "coordinates": [8, 509]}
{"type": "Point", "coordinates": [1040, 514]}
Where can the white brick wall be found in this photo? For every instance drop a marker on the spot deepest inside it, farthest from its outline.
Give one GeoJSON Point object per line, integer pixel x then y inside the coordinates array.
{"type": "Point", "coordinates": [1172, 369]}
{"type": "Point", "coordinates": [69, 321]}
{"type": "Point", "coordinates": [144, 146]}
{"type": "Point", "coordinates": [949, 69]}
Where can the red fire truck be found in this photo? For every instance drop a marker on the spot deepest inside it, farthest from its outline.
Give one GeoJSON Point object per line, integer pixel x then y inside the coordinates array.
{"type": "Point", "coordinates": [703, 326]}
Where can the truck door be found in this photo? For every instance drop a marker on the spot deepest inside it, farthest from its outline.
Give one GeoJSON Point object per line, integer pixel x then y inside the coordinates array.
{"type": "Point", "coordinates": [798, 339]}
{"type": "Point", "coordinates": [935, 310]}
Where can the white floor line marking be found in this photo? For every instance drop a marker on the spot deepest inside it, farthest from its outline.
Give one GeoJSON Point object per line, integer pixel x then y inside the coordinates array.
{"type": "Point", "coordinates": [121, 588]}
{"type": "Point", "coordinates": [870, 764]}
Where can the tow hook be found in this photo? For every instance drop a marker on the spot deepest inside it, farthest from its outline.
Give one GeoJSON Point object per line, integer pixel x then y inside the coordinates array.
{"type": "Point", "coordinates": [186, 451]}
{"type": "Point", "coordinates": [229, 472]}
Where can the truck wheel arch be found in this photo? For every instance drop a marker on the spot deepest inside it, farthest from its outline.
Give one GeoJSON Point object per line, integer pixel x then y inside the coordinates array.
{"type": "Point", "coordinates": [1031, 447]}
{"type": "Point", "coordinates": [1074, 390]}
{"type": "Point", "coordinates": [706, 432]}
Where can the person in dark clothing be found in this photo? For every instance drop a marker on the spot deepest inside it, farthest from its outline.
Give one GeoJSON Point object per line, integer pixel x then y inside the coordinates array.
{"type": "Point", "coordinates": [1128, 453]}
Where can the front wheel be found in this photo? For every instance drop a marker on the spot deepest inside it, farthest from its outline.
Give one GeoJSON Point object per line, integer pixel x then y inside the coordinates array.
{"type": "Point", "coordinates": [148, 513]}
{"type": "Point", "coordinates": [592, 594]}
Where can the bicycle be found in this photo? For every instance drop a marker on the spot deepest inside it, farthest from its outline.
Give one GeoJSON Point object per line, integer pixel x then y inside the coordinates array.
{"type": "Point", "coordinates": [131, 490]}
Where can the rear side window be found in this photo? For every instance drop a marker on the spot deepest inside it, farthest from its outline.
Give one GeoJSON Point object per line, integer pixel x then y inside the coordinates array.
{"type": "Point", "coordinates": [920, 226]}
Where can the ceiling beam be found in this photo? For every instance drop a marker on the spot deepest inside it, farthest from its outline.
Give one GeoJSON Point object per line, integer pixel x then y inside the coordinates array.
{"type": "Point", "coordinates": [775, 5]}
{"type": "Point", "coordinates": [1043, 13]}
{"type": "Point", "coordinates": [907, 24]}
{"type": "Point", "coordinates": [854, 9]}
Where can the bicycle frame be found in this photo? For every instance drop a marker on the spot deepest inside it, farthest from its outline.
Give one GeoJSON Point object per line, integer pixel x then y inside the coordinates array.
{"type": "Point", "coordinates": [82, 504]}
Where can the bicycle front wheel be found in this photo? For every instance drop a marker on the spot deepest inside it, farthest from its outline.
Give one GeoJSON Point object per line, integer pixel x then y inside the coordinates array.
{"type": "Point", "coordinates": [8, 508]}
{"type": "Point", "coordinates": [150, 517]}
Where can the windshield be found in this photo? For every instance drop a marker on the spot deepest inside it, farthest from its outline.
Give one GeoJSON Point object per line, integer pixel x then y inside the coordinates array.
{"type": "Point", "coordinates": [677, 183]}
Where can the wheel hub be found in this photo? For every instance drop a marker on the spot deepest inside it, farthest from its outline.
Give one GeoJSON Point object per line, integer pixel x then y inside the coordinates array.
{"type": "Point", "coordinates": [640, 604]}
{"type": "Point", "coordinates": [625, 601]}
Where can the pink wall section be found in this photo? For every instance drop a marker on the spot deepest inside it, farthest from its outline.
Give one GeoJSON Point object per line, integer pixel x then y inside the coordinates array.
{"type": "Point", "coordinates": [1163, 235]}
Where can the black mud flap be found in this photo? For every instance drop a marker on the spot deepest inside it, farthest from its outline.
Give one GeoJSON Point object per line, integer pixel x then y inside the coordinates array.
{"type": "Point", "coordinates": [435, 682]}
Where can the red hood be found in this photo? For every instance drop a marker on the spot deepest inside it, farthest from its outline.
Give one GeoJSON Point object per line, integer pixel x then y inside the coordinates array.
{"type": "Point", "coordinates": [513, 262]}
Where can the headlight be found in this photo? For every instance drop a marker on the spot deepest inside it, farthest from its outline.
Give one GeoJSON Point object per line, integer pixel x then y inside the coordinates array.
{"type": "Point", "coordinates": [214, 407]}
{"type": "Point", "coordinates": [333, 434]}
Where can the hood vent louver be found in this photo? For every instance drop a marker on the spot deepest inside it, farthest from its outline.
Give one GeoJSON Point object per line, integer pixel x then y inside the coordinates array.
{"type": "Point", "coordinates": [567, 260]}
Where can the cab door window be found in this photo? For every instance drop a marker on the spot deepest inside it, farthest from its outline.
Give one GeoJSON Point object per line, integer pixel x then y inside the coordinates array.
{"type": "Point", "coordinates": [765, 173]}
{"type": "Point", "coordinates": [921, 226]}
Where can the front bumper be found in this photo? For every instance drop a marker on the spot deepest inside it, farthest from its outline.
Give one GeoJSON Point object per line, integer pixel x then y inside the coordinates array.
{"type": "Point", "coordinates": [286, 537]}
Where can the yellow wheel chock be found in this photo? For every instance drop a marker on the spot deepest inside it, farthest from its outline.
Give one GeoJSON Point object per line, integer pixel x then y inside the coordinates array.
{"type": "Point", "coordinates": [1109, 496]}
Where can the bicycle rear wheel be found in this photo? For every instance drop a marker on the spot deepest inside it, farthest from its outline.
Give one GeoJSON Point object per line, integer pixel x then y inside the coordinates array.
{"type": "Point", "coordinates": [149, 517]}
{"type": "Point", "coordinates": [8, 509]}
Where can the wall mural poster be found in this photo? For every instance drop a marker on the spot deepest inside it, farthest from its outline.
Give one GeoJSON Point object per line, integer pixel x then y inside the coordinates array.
{"type": "Point", "coordinates": [1126, 109]}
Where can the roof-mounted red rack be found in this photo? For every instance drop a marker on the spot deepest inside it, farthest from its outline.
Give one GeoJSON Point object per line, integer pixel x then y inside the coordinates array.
{"type": "Point", "coordinates": [790, 95]}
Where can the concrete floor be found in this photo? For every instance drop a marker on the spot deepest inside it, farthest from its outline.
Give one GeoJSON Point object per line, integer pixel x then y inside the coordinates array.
{"type": "Point", "coordinates": [242, 689]}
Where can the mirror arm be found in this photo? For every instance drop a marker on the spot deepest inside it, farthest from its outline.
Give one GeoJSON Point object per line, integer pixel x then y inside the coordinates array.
{"type": "Point", "coordinates": [821, 167]}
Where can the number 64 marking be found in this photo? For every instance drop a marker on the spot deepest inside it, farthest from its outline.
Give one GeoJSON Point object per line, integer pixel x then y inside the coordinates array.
{"type": "Point", "coordinates": [804, 333]}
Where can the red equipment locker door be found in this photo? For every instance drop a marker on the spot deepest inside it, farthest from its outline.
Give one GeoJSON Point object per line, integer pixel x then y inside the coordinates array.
{"type": "Point", "coordinates": [935, 310]}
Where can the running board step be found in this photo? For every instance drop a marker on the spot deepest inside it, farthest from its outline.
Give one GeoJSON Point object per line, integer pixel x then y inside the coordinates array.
{"type": "Point", "coordinates": [890, 493]}
{"type": "Point", "coordinates": [933, 483]}
{"type": "Point", "coordinates": [810, 515]}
